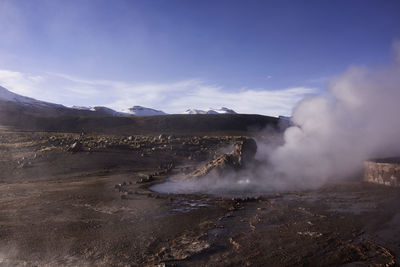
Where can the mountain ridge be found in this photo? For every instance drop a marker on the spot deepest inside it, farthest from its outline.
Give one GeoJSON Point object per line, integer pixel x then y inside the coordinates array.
{"type": "Point", "coordinates": [222, 110]}
{"type": "Point", "coordinates": [7, 95]}
{"type": "Point", "coordinates": [28, 114]}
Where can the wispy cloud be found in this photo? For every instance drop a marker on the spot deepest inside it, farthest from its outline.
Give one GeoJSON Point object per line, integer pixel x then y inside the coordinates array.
{"type": "Point", "coordinates": [173, 97]}
{"type": "Point", "coordinates": [19, 82]}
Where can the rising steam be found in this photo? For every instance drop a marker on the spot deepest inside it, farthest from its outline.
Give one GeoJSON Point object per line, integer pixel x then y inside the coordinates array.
{"type": "Point", "coordinates": [358, 119]}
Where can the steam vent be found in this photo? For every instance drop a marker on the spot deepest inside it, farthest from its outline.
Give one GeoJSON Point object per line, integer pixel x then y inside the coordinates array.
{"type": "Point", "coordinates": [383, 171]}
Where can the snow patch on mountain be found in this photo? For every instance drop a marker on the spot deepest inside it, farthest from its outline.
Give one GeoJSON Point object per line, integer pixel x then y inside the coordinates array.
{"type": "Point", "coordinates": [7, 95]}
{"type": "Point", "coordinates": [194, 111]}
{"type": "Point", "coordinates": [222, 110]}
{"type": "Point", "coordinates": [83, 108]}
{"type": "Point", "coordinates": [106, 110]}
{"type": "Point", "coordinates": [100, 109]}
{"type": "Point", "coordinates": [143, 111]}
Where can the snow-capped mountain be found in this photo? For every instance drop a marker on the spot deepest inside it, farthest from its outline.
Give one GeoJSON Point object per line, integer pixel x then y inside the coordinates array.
{"type": "Point", "coordinates": [83, 108]}
{"type": "Point", "coordinates": [143, 111]}
{"type": "Point", "coordinates": [49, 108]}
{"type": "Point", "coordinates": [285, 118]}
{"type": "Point", "coordinates": [222, 110]}
{"type": "Point", "coordinates": [100, 109]}
{"type": "Point", "coordinates": [195, 111]}
{"type": "Point", "coordinates": [6, 95]}
{"type": "Point", "coordinates": [37, 106]}
{"type": "Point", "coordinates": [106, 110]}
{"type": "Point", "coordinates": [135, 111]}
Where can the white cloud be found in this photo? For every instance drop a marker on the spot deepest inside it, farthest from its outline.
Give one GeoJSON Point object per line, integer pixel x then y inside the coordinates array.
{"type": "Point", "coordinates": [174, 97]}
{"type": "Point", "coordinates": [19, 82]}
{"type": "Point", "coordinates": [177, 97]}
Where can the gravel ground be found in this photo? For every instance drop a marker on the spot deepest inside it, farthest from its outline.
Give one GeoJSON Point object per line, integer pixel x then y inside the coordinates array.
{"type": "Point", "coordinates": [92, 206]}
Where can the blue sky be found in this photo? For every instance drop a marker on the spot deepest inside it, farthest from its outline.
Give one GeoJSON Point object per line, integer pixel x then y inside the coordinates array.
{"type": "Point", "coordinates": [251, 56]}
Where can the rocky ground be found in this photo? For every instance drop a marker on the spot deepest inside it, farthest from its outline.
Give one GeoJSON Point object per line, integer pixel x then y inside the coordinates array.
{"type": "Point", "coordinates": [73, 200]}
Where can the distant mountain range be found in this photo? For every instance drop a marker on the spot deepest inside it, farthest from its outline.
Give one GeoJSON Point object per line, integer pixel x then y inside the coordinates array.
{"type": "Point", "coordinates": [222, 110]}
{"type": "Point", "coordinates": [29, 114]}
{"type": "Point", "coordinates": [37, 106]}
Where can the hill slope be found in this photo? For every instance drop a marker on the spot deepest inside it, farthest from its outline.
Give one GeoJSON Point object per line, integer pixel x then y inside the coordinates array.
{"type": "Point", "coordinates": [207, 124]}
{"type": "Point", "coordinates": [29, 114]}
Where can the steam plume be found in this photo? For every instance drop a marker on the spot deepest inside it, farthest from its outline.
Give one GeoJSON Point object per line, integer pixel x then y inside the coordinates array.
{"type": "Point", "coordinates": [358, 119]}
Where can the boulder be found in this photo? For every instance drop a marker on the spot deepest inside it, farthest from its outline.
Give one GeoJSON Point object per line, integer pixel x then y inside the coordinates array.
{"type": "Point", "coordinates": [243, 153]}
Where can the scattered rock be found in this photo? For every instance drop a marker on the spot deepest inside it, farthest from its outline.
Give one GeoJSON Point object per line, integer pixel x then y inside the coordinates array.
{"type": "Point", "coordinates": [245, 199]}
{"type": "Point", "coordinates": [234, 243]}
{"type": "Point", "coordinates": [310, 234]}
{"type": "Point", "coordinates": [75, 147]}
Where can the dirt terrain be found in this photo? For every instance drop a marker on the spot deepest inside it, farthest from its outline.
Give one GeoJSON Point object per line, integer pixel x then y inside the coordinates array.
{"type": "Point", "coordinates": [84, 199]}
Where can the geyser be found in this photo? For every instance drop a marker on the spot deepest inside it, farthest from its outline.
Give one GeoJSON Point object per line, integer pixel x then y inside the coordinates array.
{"type": "Point", "coordinates": [331, 136]}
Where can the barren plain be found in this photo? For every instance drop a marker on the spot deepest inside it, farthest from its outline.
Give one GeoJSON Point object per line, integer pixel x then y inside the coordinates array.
{"type": "Point", "coordinates": [70, 199]}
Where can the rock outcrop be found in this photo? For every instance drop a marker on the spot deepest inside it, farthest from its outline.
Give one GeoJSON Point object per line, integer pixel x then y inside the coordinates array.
{"type": "Point", "coordinates": [243, 153]}
{"type": "Point", "coordinates": [383, 171]}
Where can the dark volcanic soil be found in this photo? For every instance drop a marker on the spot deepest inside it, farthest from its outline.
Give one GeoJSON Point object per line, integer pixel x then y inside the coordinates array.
{"type": "Point", "coordinates": [89, 204]}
